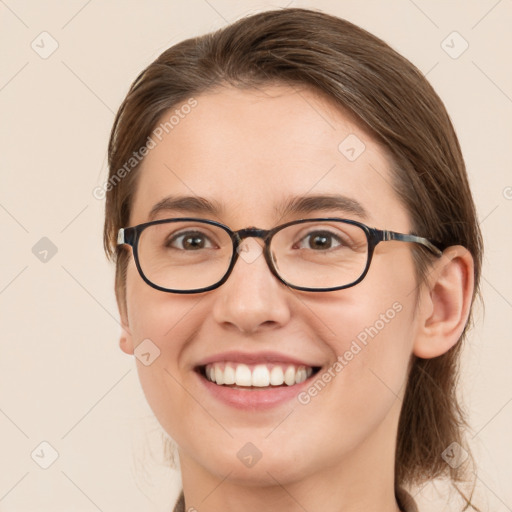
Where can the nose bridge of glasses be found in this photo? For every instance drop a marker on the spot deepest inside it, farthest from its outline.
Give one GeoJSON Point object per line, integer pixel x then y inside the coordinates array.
{"type": "Point", "coordinates": [242, 234]}
{"type": "Point", "coordinates": [247, 247]}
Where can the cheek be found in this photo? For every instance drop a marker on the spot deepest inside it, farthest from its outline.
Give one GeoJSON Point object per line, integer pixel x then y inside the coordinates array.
{"type": "Point", "coordinates": [370, 337]}
{"type": "Point", "coordinates": [384, 325]}
{"type": "Point", "coordinates": [371, 334]}
{"type": "Point", "coordinates": [154, 314]}
{"type": "Point", "coordinates": [161, 325]}
{"type": "Point", "coordinates": [360, 392]}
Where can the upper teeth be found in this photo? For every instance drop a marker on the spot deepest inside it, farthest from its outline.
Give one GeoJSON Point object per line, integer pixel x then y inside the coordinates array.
{"type": "Point", "coordinates": [260, 375]}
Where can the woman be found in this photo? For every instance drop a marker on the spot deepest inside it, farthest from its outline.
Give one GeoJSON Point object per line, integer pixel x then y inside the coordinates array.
{"type": "Point", "coordinates": [297, 254]}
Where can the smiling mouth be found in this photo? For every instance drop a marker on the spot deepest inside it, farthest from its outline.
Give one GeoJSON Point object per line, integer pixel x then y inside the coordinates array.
{"type": "Point", "coordinates": [256, 376]}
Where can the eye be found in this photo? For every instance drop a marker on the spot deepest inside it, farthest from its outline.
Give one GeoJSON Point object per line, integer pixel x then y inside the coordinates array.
{"type": "Point", "coordinates": [319, 241]}
{"type": "Point", "coordinates": [190, 241]}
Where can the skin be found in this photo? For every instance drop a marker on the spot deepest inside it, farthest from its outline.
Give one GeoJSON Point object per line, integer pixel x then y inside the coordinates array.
{"type": "Point", "coordinates": [250, 151]}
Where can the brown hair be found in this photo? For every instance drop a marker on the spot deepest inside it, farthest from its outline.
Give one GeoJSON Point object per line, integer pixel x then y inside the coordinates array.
{"type": "Point", "coordinates": [393, 101]}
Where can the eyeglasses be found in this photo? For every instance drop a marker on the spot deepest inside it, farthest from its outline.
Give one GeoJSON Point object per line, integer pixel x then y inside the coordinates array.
{"type": "Point", "coordinates": [188, 255]}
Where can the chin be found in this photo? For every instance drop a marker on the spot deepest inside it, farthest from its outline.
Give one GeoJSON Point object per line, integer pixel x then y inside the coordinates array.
{"type": "Point", "coordinates": [248, 466]}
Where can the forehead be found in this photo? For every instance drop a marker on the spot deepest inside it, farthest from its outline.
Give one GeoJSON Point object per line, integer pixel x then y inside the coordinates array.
{"type": "Point", "coordinates": [252, 151]}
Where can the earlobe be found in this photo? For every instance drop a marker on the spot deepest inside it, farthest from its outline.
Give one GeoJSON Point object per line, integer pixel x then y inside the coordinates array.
{"type": "Point", "coordinates": [445, 303]}
{"type": "Point", "coordinates": [125, 340]}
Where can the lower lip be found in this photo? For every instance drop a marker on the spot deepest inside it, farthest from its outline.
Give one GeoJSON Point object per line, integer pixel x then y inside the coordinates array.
{"type": "Point", "coordinates": [254, 398]}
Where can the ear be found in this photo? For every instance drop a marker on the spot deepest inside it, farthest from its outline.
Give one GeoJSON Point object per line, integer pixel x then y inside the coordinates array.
{"type": "Point", "coordinates": [445, 303]}
{"type": "Point", "coordinates": [125, 340]}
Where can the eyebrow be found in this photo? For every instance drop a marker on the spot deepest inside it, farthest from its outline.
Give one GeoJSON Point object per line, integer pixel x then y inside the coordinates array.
{"type": "Point", "coordinates": [185, 204]}
{"type": "Point", "coordinates": [309, 204]}
{"type": "Point", "coordinates": [295, 205]}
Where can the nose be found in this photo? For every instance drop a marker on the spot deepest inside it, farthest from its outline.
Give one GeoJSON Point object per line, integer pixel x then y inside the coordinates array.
{"type": "Point", "coordinates": [252, 299]}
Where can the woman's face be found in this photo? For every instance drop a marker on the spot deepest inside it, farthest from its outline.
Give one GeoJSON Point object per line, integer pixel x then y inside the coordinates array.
{"type": "Point", "coordinates": [250, 153]}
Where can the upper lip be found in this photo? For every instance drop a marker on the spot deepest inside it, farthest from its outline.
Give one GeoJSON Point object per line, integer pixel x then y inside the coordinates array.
{"type": "Point", "coordinates": [254, 358]}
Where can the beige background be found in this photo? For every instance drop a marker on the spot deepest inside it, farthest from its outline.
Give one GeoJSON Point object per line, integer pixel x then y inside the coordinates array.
{"type": "Point", "coordinates": [63, 378]}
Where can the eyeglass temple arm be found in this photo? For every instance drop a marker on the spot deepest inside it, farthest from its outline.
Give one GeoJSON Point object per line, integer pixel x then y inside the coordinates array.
{"type": "Point", "coordinates": [126, 236]}
{"type": "Point", "coordinates": [392, 235]}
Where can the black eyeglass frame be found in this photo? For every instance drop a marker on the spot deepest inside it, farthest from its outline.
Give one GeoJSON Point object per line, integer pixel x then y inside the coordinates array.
{"type": "Point", "coordinates": [131, 237]}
